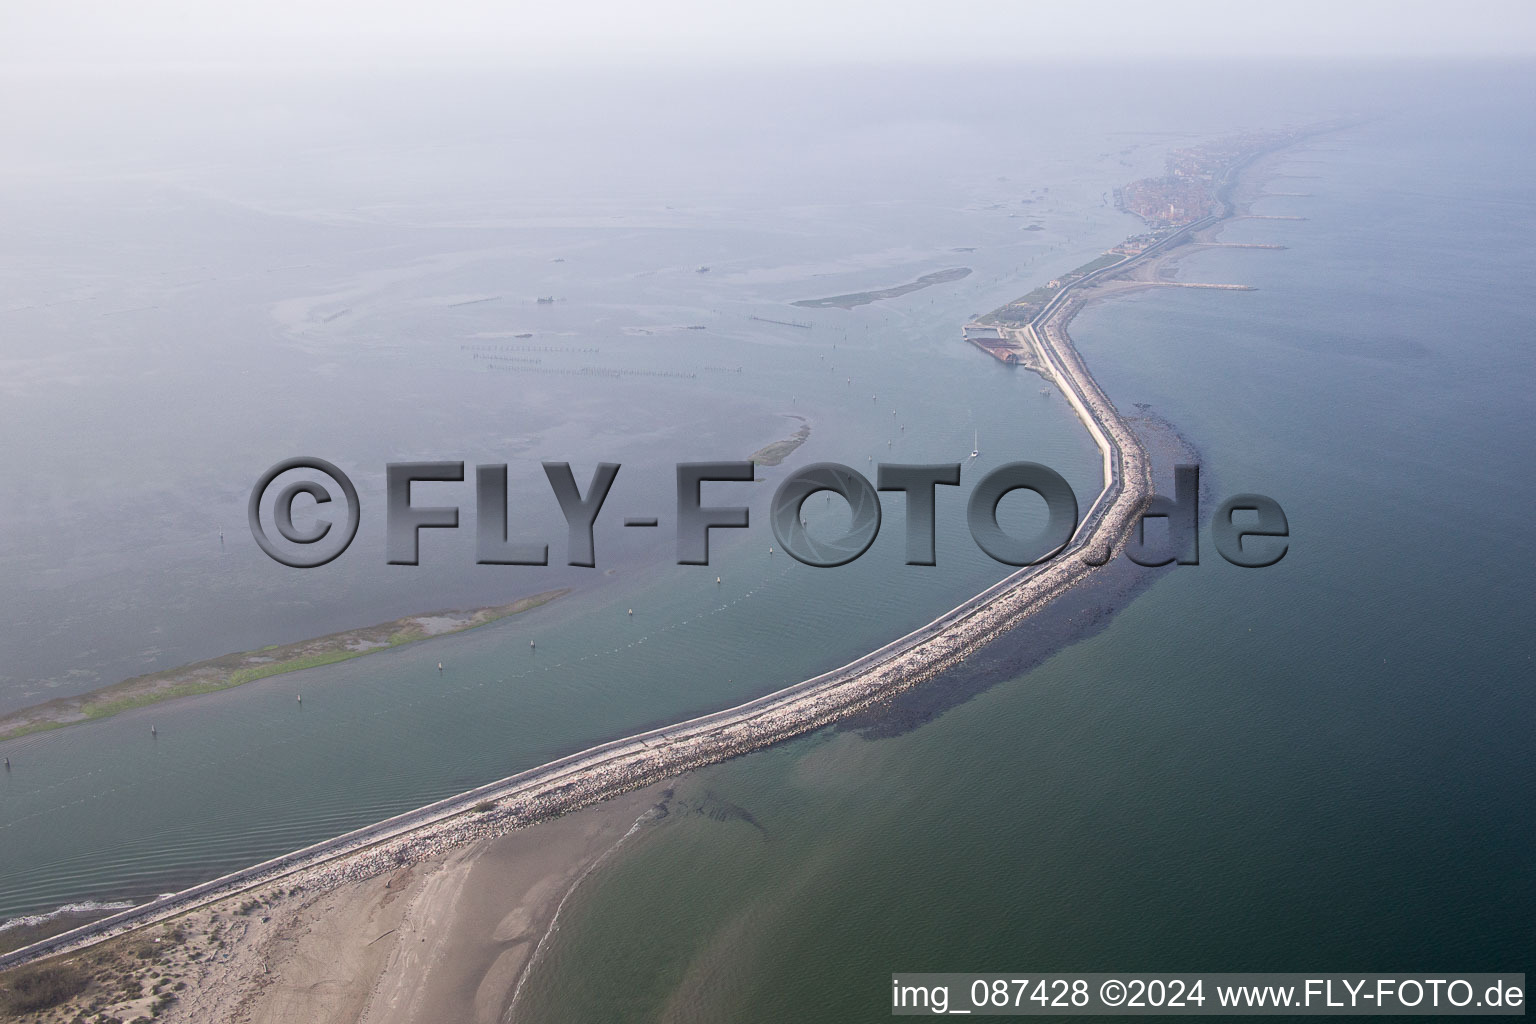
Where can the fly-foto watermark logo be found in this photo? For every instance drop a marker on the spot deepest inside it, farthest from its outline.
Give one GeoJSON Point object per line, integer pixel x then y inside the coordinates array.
{"type": "Point", "coordinates": [1248, 530]}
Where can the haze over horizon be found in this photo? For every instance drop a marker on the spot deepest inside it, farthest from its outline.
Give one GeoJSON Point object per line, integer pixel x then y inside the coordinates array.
{"type": "Point", "coordinates": [71, 34]}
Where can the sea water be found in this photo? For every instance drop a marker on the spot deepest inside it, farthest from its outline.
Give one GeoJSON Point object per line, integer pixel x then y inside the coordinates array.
{"type": "Point", "coordinates": [1322, 765]}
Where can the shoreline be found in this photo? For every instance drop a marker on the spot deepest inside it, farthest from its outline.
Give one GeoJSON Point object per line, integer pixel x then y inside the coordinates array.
{"type": "Point", "coordinates": [852, 300]}
{"type": "Point", "coordinates": [230, 670]}
{"type": "Point", "coordinates": [778, 451]}
{"type": "Point", "coordinates": [631, 763]}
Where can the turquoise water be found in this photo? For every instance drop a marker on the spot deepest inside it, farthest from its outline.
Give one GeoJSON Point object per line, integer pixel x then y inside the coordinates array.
{"type": "Point", "coordinates": [1319, 766]}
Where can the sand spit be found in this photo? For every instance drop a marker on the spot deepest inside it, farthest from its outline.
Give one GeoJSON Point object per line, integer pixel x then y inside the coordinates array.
{"type": "Point", "coordinates": [854, 299]}
{"type": "Point", "coordinates": [230, 670]}
{"type": "Point", "coordinates": [778, 451]}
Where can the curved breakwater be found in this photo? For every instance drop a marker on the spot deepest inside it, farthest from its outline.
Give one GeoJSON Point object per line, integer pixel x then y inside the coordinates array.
{"type": "Point", "coordinates": [629, 763]}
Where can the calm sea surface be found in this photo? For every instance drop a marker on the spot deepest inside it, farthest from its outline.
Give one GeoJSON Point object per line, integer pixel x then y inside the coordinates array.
{"type": "Point", "coordinates": [1318, 765]}
{"type": "Point", "coordinates": [1322, 765]}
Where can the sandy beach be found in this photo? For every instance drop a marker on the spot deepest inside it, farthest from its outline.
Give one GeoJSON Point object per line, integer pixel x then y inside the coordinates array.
{"type": "Point", "coordinates": [446, 938]}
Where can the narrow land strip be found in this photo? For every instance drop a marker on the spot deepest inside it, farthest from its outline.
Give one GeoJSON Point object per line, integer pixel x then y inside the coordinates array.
{"type": "Point", "coordinates": [229, 670]}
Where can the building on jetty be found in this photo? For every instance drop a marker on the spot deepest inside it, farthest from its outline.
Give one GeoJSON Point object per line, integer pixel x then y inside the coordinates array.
{"type": "Point", "coordinates": [991, 340]}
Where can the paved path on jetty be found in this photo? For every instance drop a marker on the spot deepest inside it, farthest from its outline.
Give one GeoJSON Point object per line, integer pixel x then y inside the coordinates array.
{"type": "Point", "coordinates": [621, 765]}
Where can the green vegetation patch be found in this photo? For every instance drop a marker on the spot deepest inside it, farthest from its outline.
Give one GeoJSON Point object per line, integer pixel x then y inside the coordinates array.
{"type": "Point", "coordinates": [773, 454]}
{"type": "Point", "coordinates": [40, 988]}
{"type": "Point", "coordinates": [247, 666]}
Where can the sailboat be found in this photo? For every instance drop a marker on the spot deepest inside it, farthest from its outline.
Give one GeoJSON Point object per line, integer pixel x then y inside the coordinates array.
{"type": "Point", "coordinates": [976, 446]}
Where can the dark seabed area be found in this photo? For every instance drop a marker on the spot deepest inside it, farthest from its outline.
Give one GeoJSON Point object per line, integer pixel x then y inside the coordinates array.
{"type": "Point", "coordinates": [1323, 765]}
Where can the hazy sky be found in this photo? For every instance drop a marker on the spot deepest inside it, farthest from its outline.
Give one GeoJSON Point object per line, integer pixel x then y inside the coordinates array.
{"type": "Point", "coordinates": [712, 31]}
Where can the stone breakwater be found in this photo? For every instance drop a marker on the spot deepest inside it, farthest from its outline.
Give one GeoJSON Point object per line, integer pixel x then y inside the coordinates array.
{"type": "Point", "coordinates": [630, 763]}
